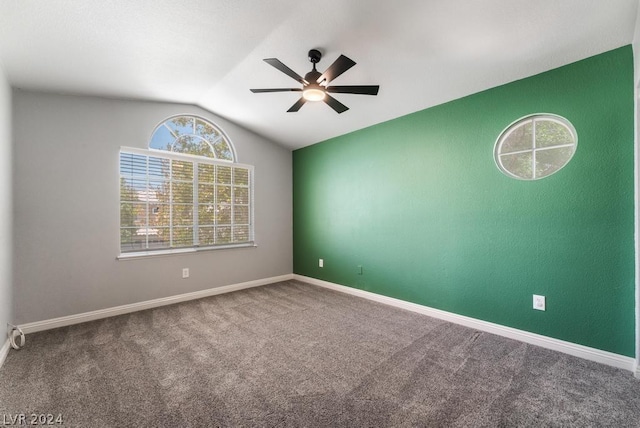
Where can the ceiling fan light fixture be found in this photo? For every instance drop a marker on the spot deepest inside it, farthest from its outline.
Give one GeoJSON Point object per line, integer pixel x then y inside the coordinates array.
{"type": "Point", "coordinates": [313, 93]}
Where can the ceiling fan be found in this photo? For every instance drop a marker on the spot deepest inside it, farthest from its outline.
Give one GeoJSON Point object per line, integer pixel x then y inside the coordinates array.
{"type": "Point", "coordinates": [315, 85]}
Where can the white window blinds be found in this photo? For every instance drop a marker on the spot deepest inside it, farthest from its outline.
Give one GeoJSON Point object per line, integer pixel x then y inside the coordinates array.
{"type": "Point", "coordinates": [172, 201]}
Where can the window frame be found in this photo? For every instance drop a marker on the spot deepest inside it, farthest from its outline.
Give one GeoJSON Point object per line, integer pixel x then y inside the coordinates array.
{"type": "Point", "coordinates": [223, 135]}
{"type": "Point", "coordinates": [506, 132]}
{"type": "Point", "coordinates": [195, 159]}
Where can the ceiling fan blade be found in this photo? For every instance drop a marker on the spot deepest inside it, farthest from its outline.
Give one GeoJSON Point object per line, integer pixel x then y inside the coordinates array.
{"type": "Point", "coordinates": [335, 104]}
{"type": "Point", "coordinates": [286, 70]}
{"type": "Point", "coordinates": [294, 108]}
{"type": "Point", "coordinates": [362, 90]}
{"type": "Point", "coordinates": [257, 91]}
{"type": "Point", "coordinates": [338, 67]}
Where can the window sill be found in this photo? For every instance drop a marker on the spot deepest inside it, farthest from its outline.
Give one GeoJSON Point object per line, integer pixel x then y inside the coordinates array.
{"type": "Point", "coordinates": [164, 253]}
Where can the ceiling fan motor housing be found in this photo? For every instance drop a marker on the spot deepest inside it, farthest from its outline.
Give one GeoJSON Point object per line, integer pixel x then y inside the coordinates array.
{"type": "Point", "coordinates": [312, 76]}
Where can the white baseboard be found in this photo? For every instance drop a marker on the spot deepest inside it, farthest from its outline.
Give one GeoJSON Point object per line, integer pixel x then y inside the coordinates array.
{"type": "Point", "coordinates": [4, 351]}
{"type": "Point", "coordinates": [592, 354]}
{"type": "Point", "coordinates": [33, 327]}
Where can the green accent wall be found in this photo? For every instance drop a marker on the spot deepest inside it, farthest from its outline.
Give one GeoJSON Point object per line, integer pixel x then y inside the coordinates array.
{"type": "Point", "coordinates": [419, 203]}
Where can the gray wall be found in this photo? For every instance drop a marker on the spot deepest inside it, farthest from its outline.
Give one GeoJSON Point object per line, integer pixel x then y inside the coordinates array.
{"type": "Point", "coordinates": [67, 215]}
{"type": "Point", "coordinates": [6, 298]}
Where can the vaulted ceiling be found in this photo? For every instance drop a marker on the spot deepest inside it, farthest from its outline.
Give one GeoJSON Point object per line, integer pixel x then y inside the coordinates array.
{"type": "Point", "coordinates": [209, 52]}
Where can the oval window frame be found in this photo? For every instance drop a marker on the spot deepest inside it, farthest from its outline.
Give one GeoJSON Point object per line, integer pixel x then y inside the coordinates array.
{"type": "Point", "coordinates": [506, 132]}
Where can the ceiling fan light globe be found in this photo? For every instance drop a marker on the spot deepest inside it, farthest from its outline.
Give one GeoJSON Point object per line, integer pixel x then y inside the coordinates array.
{"type": "Point", "coordinates": [313, 94]}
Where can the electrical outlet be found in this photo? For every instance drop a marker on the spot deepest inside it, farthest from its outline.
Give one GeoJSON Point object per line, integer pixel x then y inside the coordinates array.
{"type": "Point", "coordinates": [320, 262]}
{"type": "Point", "coordinates": [185, 273]}
{"type": "Point", "coordinates": [359, 270]}
{"type": "Point", "coordinates": [539, 302]}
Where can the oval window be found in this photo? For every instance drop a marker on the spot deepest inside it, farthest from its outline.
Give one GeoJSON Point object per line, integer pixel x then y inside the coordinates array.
{"type": "Point", "coordinates": [535, 146]}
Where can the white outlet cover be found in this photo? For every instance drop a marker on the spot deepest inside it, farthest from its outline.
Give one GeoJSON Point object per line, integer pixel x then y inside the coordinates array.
{"type": "Point", "coordinates": [185, 272]}
{"type": "Point", "coordinates": [320, 262]}
{"type": "Point", "coordinates": [539, 302]}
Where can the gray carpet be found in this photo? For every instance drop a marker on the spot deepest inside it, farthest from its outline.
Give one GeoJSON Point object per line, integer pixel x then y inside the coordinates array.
{"type": "Point", "coordinates": [291, 354]}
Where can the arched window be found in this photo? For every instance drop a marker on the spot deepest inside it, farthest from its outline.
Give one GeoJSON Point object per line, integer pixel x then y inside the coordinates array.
{"type": "Point", "coordinates": [184, 193]}
{"type": "Point", "coordinates": [192, 135]}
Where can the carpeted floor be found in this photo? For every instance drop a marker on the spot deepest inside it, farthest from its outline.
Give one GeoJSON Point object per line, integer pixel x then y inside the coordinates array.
{"type": "Point", "coordinates": [292, 354]}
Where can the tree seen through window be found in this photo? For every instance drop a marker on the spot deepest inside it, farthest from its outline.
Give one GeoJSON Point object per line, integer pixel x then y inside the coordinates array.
{"type": "Point", "coordinates": [181, 199]}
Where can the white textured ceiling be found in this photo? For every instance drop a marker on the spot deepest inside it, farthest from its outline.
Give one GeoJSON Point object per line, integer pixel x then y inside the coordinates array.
{"type": "Point", "coordinates": [209, 52]}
